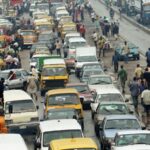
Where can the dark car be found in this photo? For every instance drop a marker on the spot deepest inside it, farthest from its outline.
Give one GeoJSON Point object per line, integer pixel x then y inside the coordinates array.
{"type": "Point", "coordinates": [63, 113]}
{"type": "Point", "coordinates": [132, 55]}
{"type": "Point", "coordinates": [84, 93]}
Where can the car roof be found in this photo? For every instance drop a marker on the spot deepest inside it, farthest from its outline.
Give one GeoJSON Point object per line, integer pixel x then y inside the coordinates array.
{"type": "Point", "coordinates": [72, 34]}
{"type": "Point", "coordinates": [90, 64]}
{"type": "Point", "coordinates": [53, 61]}
{"type": "Point", "coordinates": [62, 91]}
{"type": "Point", "coordinates": [77, 39]}
{"type": "Point", "coordinates": [16, 95]}
{"type": "Point", "coordinates": [107, 89]}
{"type": "Point", "coordinates": [12, 142]}
{"type": "Point", "coordinates": [74, 143]}
{"type": "Point", "coordinates": [125, 132]}
{"type": "Point", "coordinates": [62, 12]}
{"type": "Point", "coordinates": [127, 116]}
{"type": "Point", "coordinates": [61, 124]}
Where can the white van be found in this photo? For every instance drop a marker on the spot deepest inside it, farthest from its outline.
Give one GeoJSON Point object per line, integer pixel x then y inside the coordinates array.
{"type": "Point", "coordinates": [12, 142]}
{"type": "Point", "coordinates": [56, 129]}
{"type": "Point", "coordinates": [21, 114]}
{"type": "Point", "coordinates": [84, 55]}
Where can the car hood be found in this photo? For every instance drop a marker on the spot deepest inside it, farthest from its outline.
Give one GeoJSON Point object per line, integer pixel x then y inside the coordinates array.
{"type": "Point", "coordinates": [134, 147]}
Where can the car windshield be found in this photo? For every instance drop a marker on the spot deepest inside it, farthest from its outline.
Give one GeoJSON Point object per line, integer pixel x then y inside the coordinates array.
{"type": "Point", "coordinates": [86, 59]}
{"type": "Point", "coordinates": [59, 71]}
{"type": "Point", "coordinates": [60, 114]}
{"type": "Point", "coordinates": [27, 33]}
{"type": "Point", "coordinates": [77, 44]}
{"type": "Point", "coordinates": [92, 66]}
{"type": "Point", "coordinates": [106, 109]}
{"type": "Point", "coordinates": [49, 136]}
{"type": "Point", "coordinates": [60, 15]}
{"type": "Point", "coordinates": [100, 80]}
{"type": "Point", "coordinates": [42, 6]}
{"type": "Point", "coordinates": [80, 88]}
{"type": "Point", "coordinates": [71, 28]}
{"type": "Point", "coordinates": [109, 97]}
{"type": "Point", "coordinates": [20, 106]}
{"type": "Point", "coordinates": [44, 27]}
{"type": "Point", "coordinates": [63, 99]}
{"type": "Point", "coordinates": [131, 139]}
{"type": "Point", "coordinates": [4, 75]}
{"type": "Point", "coordinates": [34, 59]}
{"type": "Point", "coordinates": [44, 37]}
{"type": "Point", "coordinates": [121, 124]}
{"type": "Point", "coordinates": [66, 19]}
{"type": "Point", "coordinates": [88, 73]}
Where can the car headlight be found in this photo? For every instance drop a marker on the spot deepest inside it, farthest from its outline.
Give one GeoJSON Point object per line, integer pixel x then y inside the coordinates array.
{"type": "Point", "coordinates": [34, 119]}
{"type": "Point", "coordinates": [8, 122]}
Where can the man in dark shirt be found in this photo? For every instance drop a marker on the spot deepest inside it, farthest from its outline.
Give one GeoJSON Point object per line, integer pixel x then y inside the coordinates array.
{"type": "Point", "coordinates": [146, 76]}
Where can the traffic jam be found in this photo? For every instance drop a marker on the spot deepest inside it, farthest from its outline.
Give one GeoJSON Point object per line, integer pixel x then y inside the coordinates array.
{"type": "Point", "coordinates": [69, 80]}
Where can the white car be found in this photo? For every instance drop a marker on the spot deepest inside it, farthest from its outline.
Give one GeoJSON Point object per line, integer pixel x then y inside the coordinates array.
{"type": "Point", "coordinates": [132, 140]}
{"type": "Point", "coordinates": [56, 129]}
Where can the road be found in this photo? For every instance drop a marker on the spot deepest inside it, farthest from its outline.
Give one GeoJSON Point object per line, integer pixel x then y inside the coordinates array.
{"type": "Point", "coordinates": [127, 30]}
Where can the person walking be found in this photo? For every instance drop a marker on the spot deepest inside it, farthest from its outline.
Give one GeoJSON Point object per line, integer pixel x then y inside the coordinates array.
{"type": "Point", "coordinates": [135, 91]}
{"type": "Point", "coordinates": [32, 87]}
{"type": "Point", "coordinates": [125, 52]}
{"type": "Point", "coordinates": [2, 87]}
{"type": "Point", "coordinates": [138, 71]}
{"type": "Point", "coordinates": [101, 42]}
{"type": "Point", "coordinates": [115, 62]}
{"type": "Point", "coordinates": [148, 57]}
{"type": "Point", "coordinates": [82, 30]}
{"type": "Point", "coordinates": [58, 47]}
{"type": "Point", "coordinates": [146, 77]}
{"type": "Point", "coordinates": [145, 100]}
{"type": "Point", "coordinates": [122, 75]}
{"type": "Point", "coordinates": [95, 38]}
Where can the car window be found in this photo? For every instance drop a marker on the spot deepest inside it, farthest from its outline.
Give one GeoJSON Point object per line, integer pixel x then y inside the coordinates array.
{"type": "Point", "coordinates": [25, 73]}
{"type": "Point", "coordinates": [18, 74]}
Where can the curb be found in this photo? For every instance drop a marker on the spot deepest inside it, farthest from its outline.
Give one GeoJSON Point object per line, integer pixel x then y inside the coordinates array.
{"type": "Point", "coordinates": [145, 29]}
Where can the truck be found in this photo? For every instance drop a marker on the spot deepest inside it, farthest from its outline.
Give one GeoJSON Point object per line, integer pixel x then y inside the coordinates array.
{"type": "Point", "coordinates": [141, 9]}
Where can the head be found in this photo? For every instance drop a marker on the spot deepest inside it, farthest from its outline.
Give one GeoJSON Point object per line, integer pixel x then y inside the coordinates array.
{"type": "Point", "coordinates": [121, 66]}
{"type": "Point", "coordinates": [146, 69]}
{"type": "Point", "coordinates": [138, 65]}
{"type": "Point", "coordinates": [134, 79]}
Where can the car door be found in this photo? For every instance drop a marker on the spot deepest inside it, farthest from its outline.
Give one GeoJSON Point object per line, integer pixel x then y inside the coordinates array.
{"type": "Point", "coordinates": [17, 82]}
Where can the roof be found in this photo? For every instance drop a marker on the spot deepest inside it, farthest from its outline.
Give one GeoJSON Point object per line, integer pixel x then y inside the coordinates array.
{"type": "Point", "coordinates": [12, 142]}
{"type": "Point", "coordinates": [77, 39]}
{"type": "Point", "coordinates": [100, 75]}
{"type": "Point", "coordinates": [111, 117]}
{"type": "Point", "coordinates": [74, 34]}
{"type": "Point", "coordinates": [39, 55]}
{"type": "Point", "coordinates": [14, 95]}
{"type": "Point", "coordinates": [133, 132]}
{"type": "Point", "coordinates": [112, 102]}
{"type": "Point", "coordinates": [57, 125]}
{"type": "Point", "coordinates": [75, 143]}
{"type": "Point", "coordinates": [76, 84]}
{"type": "Point", "coordinates": [107, 89]}
{"type": "Point", "coordinates": [62, 91]}
{"type": "Point", "coordinates": [53, 61]}
{"type": "Point", "coordinates": [62, 12]}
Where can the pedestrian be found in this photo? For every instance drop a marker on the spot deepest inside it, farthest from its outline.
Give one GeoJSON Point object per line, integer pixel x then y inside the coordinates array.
{"type": "Point", "coordinates": [100, 44]}
{"type": "Point", "coordinates": [115, 61]}
{"type": "Point", "coordinates": [93, 16]}
{"type": "Point", "coordinates": [120, 13]}
{"type": "Point", "coordinates": [97, 23]}
{"type": "Point", "coordinates": [148, 57]}
{"type": "Point", "coordinates": [2, 87]}
{"type": "Point", "coordinates": [58, 47]}
{"type": "Point", "coordinates": [122, 75]}
{"type": "Point", "coordinates": [145, 100]}
{"type": "Point", "coordinates": [138, 71]}
{"type": "Point", "coordinates": [82, 30]}
{"type": "Point", "coordinates": [106, 47]}
{"type": "Point", "coordinates": [95, 38]}
{"type": "Point", "coordinates": [146, 77]}
{"type": "Point", "coordinates": [111, 13]}
{"type": "Point", "coordinates": [135, 91]}
{"type": "Point", "coordinates": [32, 87]}
{"type": "Point", "coordinates": [125, 51]}
{"type": "Point", "coordinates": [142, 85]}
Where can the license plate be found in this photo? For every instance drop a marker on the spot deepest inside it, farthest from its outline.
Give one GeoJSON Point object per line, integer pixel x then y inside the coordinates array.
{"type": "Point", "coordinates": [22, 127]}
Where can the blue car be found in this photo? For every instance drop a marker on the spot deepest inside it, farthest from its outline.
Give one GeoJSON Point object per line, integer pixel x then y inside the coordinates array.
{"type": "Point", "coordinates": [114, 123]}
{"type": "Point", "coordinates": [134, 52]}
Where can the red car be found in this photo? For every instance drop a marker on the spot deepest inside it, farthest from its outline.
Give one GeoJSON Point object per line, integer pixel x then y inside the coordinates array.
{"type": "Point", "coordinates": [84, 92]}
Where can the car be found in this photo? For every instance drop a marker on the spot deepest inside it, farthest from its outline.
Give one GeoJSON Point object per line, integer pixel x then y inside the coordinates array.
{"type": "Point", "coordinates": [20, 82]}
{"type": "Point", "coordinates": [88, 72]}
{"type": "Point", "coordinates": [105, 93]}
{"type": "Point", "coordinates": [105, 108]}
{"type": "Point", "coordinates": [114, 123]}
{"type": "Point", "coordinates": [62, 113]}
{"type": "Point", "coordinates": [86, 97]}
{"type": "Point", "coordinates": [60, 13]}
{"type": "Point", "coordinates": [133, 51]}
{"type": "Point", "coordinates": [50, 130]}
{"type": "Point", "coordinates": [133, 139]}
{"type": "Point", "coordinates": [97, 65]}
{"type": "Point", "coordinates": [96, 81]}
